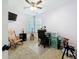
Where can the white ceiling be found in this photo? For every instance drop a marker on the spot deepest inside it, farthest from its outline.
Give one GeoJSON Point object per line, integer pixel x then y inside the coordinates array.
{"type": "Point", "coordinates": [18, 5]}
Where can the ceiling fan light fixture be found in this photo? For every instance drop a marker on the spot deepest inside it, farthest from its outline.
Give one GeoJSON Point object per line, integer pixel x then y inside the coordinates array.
{"type": "Point", "coordinates": [34, 5]}
{"type": "Point", "coordinates": [33, 8]}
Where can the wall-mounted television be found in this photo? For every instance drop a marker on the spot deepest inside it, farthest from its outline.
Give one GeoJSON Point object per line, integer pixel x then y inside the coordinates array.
{"type": "Point", "coordinates": [12, 16]}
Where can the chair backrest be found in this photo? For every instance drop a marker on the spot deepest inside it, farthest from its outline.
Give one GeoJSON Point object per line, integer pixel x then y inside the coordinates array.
{"type": "Point", "coordinates": [41, 33]}
{"type": "Point", "coordinates": [12, 36]}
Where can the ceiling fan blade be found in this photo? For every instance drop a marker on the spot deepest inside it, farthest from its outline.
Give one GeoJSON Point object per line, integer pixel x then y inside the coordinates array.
{"type": "Point", "coordinates": [40, 1]}
{"type": "Point", "coordinates": [39, 7]}
{"type": "Point", "coordinates": [28, 1]}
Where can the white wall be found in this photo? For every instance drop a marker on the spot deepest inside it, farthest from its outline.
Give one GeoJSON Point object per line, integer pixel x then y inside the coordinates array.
{"type": "Point", "coordinates": [16, 6]}
{"type": "Point", "coordinates": [4, 22]}
{"type": "Point", "coordinates": [63, 20]}
{"type": "Point", "coordinates": [17, 25]}
{"type": "Point", "coordinates": [4, 27]}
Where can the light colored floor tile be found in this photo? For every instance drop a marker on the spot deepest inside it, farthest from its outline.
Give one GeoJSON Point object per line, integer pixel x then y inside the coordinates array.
{"type": "Point", "coordinates": [31, 50]}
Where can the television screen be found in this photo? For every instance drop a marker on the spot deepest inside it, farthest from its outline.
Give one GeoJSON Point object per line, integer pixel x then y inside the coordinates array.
{"type": "Point", "coordinates": [12, 16]}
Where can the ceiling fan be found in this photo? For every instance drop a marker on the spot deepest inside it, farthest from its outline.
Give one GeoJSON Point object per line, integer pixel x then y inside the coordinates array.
{"type": "Point", "coordinates": [33, 5]}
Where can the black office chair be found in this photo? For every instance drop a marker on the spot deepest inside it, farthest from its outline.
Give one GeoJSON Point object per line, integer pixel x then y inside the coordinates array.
{"type": "Point", "coordinates": [44, 39]}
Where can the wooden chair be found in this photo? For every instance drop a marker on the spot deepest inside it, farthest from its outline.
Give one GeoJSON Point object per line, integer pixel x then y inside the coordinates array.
{"type": "Point", "coordinates": [13, 39]}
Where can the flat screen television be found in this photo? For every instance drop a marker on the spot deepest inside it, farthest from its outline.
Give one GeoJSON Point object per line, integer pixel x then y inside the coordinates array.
{"type": "Point", "coordinates": [12, 16]}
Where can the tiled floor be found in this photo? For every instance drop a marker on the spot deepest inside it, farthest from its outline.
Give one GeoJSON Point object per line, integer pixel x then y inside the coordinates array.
{"type": "Point", "coordinates": [31, 50]}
